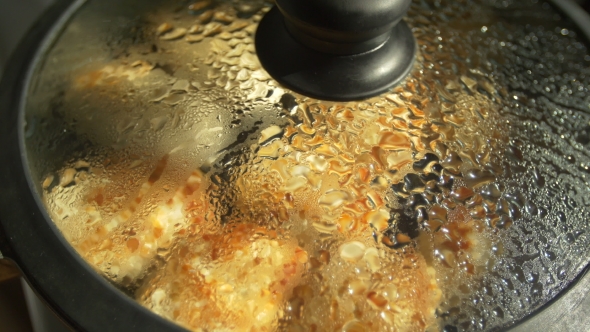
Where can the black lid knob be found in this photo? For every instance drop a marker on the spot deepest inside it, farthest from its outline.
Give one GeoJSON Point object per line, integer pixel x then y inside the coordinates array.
{"type": "Point", "coordinates": [336, 49]}
{"type": "Point", "coordinates": [342, 26]}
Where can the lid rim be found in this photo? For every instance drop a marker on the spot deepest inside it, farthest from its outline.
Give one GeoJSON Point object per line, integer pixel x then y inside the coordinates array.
{"type": "Point", "coordinates": [581, 276]}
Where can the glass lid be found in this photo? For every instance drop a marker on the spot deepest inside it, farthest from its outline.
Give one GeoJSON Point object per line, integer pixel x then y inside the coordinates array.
{"type": "Point", "coordinates": [222, 200]}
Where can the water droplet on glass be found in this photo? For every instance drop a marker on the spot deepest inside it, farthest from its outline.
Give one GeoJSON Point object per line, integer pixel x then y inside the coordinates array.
{"type": "Point", "coordinates": [476, 178]}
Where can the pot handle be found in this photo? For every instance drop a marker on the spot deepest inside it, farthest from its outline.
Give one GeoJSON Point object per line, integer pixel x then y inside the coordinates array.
{"type": "Point", "coordinates": [8, 269]}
